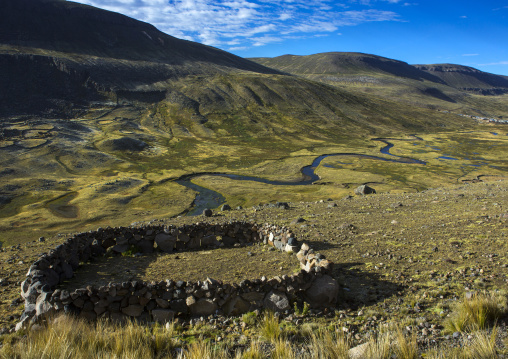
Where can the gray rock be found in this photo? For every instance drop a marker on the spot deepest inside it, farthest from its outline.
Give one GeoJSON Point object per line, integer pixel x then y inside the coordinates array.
{"type": "Point", "coordinates": [179, 306]}
{"type": "Point", "coordinates": [279, 245]}
{"type": "Point", "coordinates": [359, 351]}
{"type": "Point", "coordinates": [120, 248]}
{"type": "Point", "coordinates": [323, 292]}
{"type": "Point", "coordinates": [364, 189]}
{"type": "Point", "coordinates": [145, 246]}
{"type": "Point", "coordinates": [276, 301]}
{"type": "Point", "coordinates": [164, 304]}
{"type": "Point", "coordinates": [225, 207]}
{"type": "Point", "coordinates": [207, 212]}
{"type": "Point", "coordinates": [254, 297]}
{"type": "Point", "coordinates": [67, 271]}
{"type": "Point", "coordinates": [297, 220]}
{"type": "Point", "coordinates": [133, 310]}
{"type": "Point", "coordinates": [165, 242]}
{"type": "Point", "coordinates": [203, 307]}
{"type": "Point", "coordinates": [43, 307]}
{"type": "Point", "coordinates": [163, 315]}
{"type": "Point", "coordinates": [236, 306]}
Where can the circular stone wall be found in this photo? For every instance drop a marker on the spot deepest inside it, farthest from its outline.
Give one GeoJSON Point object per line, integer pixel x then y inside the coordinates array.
{"type": "Point", "coordinates": [162, 301]}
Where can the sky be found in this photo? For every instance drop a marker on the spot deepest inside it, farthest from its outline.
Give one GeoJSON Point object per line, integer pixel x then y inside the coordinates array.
{"type": "Point", "coordinates": [466, 32]}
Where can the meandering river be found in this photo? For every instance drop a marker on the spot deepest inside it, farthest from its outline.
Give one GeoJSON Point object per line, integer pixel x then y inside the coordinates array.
{"type": "Point", "coordinates": [207, 198]}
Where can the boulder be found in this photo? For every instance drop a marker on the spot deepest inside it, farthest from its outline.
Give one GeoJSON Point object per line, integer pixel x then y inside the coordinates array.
{"type": "Point", "coordinates": [145, 246]}
{"type": "Point", "coordinates": [165, 242]}
{"type": "Point", "coordinates": [236, 306]}
{"type": "Point", "coordinates": [359, 351]}
{"type": "Point", "coordinates": [163, 315]}
{"type": "Point", "coordinates": [43, 306]}
{"type": "Point", "coordinates": [225, 207]}
{"type": "Point", "coordinates": [207, 212]}
{"type": "Point", "coordinates": [323, 292]}
{"type": "Point", "coordinates": [203, 307]}
{"type": "Point", "coordinates": [364, 189]}
{"type": "Point", "coordinates": [276, 301]}
{"type": "Point", "coordinates": [133, 310]}
{"type": "Point", "coordinates": [120, 248]}
{"type": "Point", "coordinates": [164, 304]}
{"type": "Point", "coordinates": [179, 306]}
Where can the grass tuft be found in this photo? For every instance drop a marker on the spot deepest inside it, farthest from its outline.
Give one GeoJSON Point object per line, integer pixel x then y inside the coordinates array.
{"type": "Point", "coordinates": [476, 312]}
{"type": "Point", "coordinates": [406, 347]}
{"type": "Point", "coordinates": [325, 345]}
{"type": "Point", "coordinates": [270, 328]}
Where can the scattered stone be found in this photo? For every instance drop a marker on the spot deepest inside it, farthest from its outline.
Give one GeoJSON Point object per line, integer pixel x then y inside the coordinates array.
{"type": "Point", "coordinates": [298, 220]}
{"type": "Point", "coordinates": [276, 301]}
{"type": "Point", "coordinates": [364, 190]}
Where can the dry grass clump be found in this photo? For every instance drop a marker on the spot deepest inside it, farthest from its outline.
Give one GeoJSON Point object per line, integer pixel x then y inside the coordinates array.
{"type": "Point", "coordinates": [476, 312]}
{"type": "Point", "coordinates": [269, 328]}
{"type": "Point", "coordinates": [71, 338]}
{"type": "Point", "coordinates": [481, 346]}
{"type": "Point", "coordinates": [325, 345]}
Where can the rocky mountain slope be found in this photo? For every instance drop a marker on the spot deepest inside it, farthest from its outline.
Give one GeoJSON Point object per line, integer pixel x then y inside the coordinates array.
{"type": "Point", "coordinates": [467, 78]}
{"type": "Point", "coordinates": [442, 86]}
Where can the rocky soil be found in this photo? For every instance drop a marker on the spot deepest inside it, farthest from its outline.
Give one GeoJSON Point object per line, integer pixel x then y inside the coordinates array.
{"type": "Point", "coordinates": [399, 258]}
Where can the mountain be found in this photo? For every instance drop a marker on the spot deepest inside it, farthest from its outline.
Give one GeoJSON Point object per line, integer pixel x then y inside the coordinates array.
{"type": "Point", "coordinates": [61, 50]}
{"type": "Point", "coordinates": [468, 78]}
{"type": "Point", "coordinates": [350, 63]}
{"type": "Point", "coordinates": [444, 87]}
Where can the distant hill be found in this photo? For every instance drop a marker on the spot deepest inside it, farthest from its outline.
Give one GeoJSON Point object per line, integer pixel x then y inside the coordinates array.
{"type": "Point", "coordinates": [468, 78]}
{"type": "Point", "coordinates": [330, 63]}
{"type": "Point", "coordinates": [445, 87]}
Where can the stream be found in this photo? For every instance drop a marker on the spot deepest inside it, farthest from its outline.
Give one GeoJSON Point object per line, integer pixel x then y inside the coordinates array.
{"type": "Point", "coordinates": [207, 198]}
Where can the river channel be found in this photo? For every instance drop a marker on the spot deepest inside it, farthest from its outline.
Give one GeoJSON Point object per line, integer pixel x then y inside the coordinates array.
{"type": "Point", "coordinates": [207, 198]}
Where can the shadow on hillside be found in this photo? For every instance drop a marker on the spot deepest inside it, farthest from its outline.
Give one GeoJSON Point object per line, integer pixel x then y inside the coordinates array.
{"type": "Point", "coordinates": [360, 287]}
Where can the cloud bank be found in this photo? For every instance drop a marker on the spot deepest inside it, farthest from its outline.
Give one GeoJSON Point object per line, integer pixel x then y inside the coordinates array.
{"type": "Point", "coordinates": [243, 24]}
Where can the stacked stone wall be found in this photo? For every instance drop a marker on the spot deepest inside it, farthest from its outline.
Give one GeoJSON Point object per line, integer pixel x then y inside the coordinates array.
{"type": "Point", "coordinates": [167, 299]}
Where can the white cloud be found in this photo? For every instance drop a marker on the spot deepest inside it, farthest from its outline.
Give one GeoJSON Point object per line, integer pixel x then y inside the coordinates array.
{"type": "Point", "coordinates": [242, 23]}
{"type": "Point", "coordinates": [495, 63]}
{"type": "Point", "coordinates": [470, 54]}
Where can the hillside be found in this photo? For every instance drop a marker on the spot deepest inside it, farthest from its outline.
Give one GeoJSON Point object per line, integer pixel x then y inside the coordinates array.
{"type": "Point", "coordinates": [345, 63]}
{"type": "Point", "coordinates": [54, 51]}
{"type": "Point", "coordinates": [449, 87]}
{"type": "Point", "coordinates": [467, 78]}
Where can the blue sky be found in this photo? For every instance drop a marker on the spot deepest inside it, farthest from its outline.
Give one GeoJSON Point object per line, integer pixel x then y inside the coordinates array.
{"type": "Point", "coordinates": [466, 32]}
